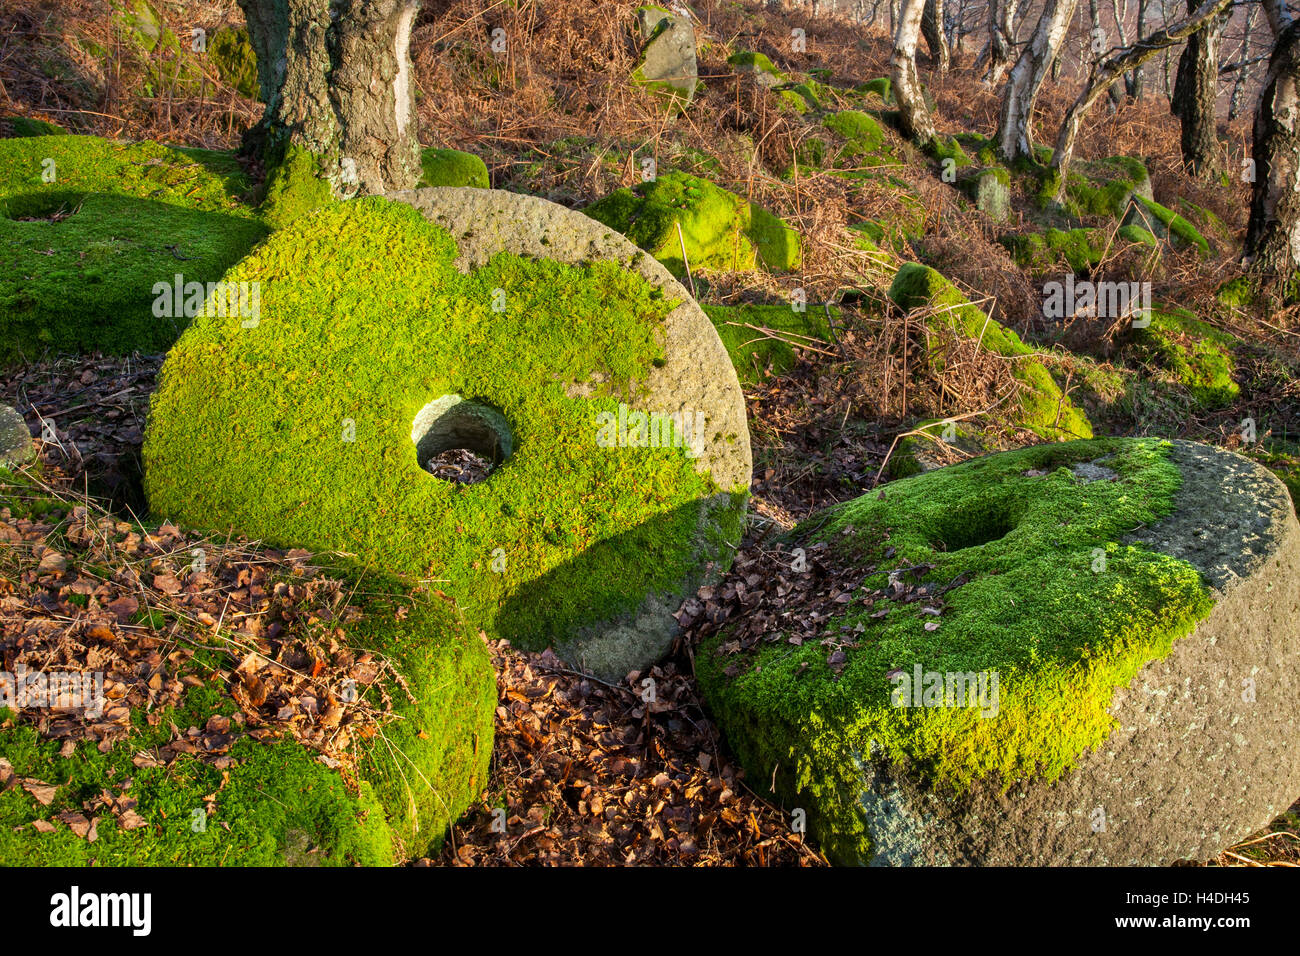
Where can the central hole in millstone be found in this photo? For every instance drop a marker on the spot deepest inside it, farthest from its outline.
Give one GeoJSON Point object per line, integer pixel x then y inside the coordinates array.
{"type": "Point", "coordinates": [972, 525]}
{"type": "Point", "coordinates": [461, 441]}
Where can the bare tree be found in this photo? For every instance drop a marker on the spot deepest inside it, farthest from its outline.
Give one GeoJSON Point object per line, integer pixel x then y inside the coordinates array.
{"type": "Point", "coordinates": [1110, 70]}
{"type": "Point", "coordinates": [1273, 232]}
{"type": "Point", "coordinates": [913, 113]}
{"type": "Point", "coordinates": [1015, 136]}
{"type": "Point", "coordinates": [337, 81]}
{"type": "Point", "coordinates": [1195, 94]}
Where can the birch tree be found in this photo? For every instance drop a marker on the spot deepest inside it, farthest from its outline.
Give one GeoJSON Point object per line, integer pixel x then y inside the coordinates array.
{"type": "Point", "coordinates": [1195, 94]}
{"type": "Point", "coordinates": [913, 115]}
{"type": "Point", "coordinates": [336, 80]}
{"type": "Point", "coordinates": [932, 30]}
{"type": "Point", "coordinates": [1015, 133]}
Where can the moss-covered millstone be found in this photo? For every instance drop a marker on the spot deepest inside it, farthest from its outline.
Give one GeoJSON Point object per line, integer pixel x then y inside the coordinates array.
{"type": "Point", "coordinates": [15, 440]}
{"type": "Point", "coordinates": [1135, 600]}
{"type": "Point", "coordinates": [720, 230]}
{"type": "Point", "coordinates": [88, 228]}
{"type": "Point", "coordinates": [1041, 405]}
{"type": "Point", "coordinates": [494, 322]}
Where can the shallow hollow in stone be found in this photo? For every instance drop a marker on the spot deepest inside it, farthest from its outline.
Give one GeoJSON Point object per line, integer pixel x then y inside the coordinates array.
{"type": "Point", "coordinates": [449, 424]}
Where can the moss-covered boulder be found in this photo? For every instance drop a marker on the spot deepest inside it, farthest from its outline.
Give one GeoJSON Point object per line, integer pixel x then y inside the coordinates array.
{"type": "Point", "coordinates": [15, 440]}
{"type": "Point", "coordinates": [453, 167]}
{"type": "Point", "coordinates": [720, 230]}
{"type": "Point", "coordinates": [91, 230]}
{"type": "Point", "coordinates": [765, 340]}
{"type": "Point", "coordinates": [668, 61]}
{"type": "Point", "coordinates": [570, 362]}
{"type": "Point", "coordinates": [1068, 654]}
{"type": "Point", "coordinates": [990, 192]}
{"type": "Point", "coordinates": [1041, 406]}
{"type": "Point", "coordinates": [231, 51]}
{"type": "Point", "coordinates": [1195, 354]}
{"type": "Point", "coordinates": [1105, 187]}
{"type": "Point", "coordinates": [1163, 223]}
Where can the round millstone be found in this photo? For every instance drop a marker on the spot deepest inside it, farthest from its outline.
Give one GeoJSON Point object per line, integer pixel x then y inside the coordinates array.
{"type": "Point", "coordinates": [594, 394]}
{"type": "Point", "coordinates": [15, 440]}
{"type": "Point", "coordinates": [1063, 655]}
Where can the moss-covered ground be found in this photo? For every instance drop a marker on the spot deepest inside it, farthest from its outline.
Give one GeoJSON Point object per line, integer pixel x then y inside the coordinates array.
{"type": "Point", "coordinates": [763, 340]}
{"type": "Point", "coordinates": [308, 418]}
{"type": "Point", "coordinates": [1052, 601]}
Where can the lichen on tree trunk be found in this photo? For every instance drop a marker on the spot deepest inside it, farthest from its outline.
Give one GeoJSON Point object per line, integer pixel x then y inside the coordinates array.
{"type": "Point", "coordinates": [336, 79]}
{"type": "Point", "coordinates": [1273, 233]}
{"type": "Point", "coordinates": [932, 30]}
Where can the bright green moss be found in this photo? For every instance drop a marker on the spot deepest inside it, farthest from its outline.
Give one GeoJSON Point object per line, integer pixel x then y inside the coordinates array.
{"type": "Point", "coordinates": [1135, 233]}
{"type": "Point", "coordinates": [882, 87]}
{"type": "Point", "coordinates": [757, 354]}
{"type": "Point", "coordinates": [945, 149]}
{"type": "Point", "coordinates": [861, 133]}
{"type": "Point", "coordinates": [340, 343]}
{"type": "Point", "coordinates": [1082, 249]}
{"type": "Point", "coordinates": [236, 62]}
{"type": "Point", "coordinates": [1180, 231]}
{"type": "Point", "coordinates": [414, 777]}
{"type": "Point", "coordinates": [1236, 293]}
{"type": "Point", "coordinates": [1197, 355]}
{"type": "Point", "coordinates": [294, 187]}
{"type": "Point", "coordinates": [25, 126]}
{"type": "Point", "coordinates": [1055, 604]}
{"type": "Point", "coordinates": [1043, 408]}
{"type": "Point", "coordinates": [452, 167]}
{"type": "Point", "coordinates": [721, 230]}
{"type": "Point", "coordinates": [80, 256]}
{"type": "Point", "coordinates": [1028, 250]}
{"type": "Point", "coordinates": [1105, 187]}
{"type": "Point", "coordinates": [756, 63]}
{"type": "Point", "coordinates": [204, 180]}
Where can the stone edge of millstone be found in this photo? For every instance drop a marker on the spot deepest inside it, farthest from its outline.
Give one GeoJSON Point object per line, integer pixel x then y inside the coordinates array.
{"type": "Point", "coordinates": [16, 448]}
{"type": "Point", "coordinates": [1168, 779]}
{"type": "Point", "coordinates": [484, 222]}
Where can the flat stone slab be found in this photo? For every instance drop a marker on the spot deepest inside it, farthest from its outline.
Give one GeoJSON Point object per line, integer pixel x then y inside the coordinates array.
{"type": "Point", "coordinates": [16, 447]}
{"type": "Point", "coordinates": [1112, 629]}
{"type": "Point", "coordinates": [491, 323]}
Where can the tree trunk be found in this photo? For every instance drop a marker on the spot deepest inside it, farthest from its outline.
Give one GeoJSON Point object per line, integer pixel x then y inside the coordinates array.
{"type": "Point", "coordinates": [1015, 135]}
{"type": "Point", "coordinates": [336, 80]}
{"type": "Point", "coordinates": [1002, 14]}
{"type": "Point", "coordinates": [1273, 233]}
{"type": "Point", "coordinates": [913, 115]}
{"type": "Point", "coordinates": [932, 29]}
{"type": "Point", "coordinates": [1196, 92]}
